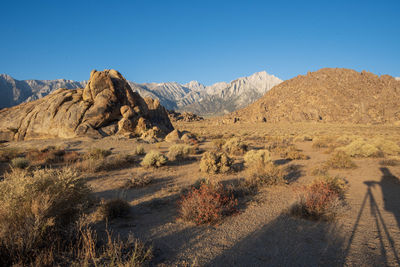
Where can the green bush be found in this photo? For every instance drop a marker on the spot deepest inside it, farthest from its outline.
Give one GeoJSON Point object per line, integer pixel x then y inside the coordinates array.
{"type": "Point", "coordinates": [154, 159]}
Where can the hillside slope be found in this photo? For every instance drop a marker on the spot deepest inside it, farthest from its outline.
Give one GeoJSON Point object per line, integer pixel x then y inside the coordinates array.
{"type": "Point", "coordinates": [329, 95]}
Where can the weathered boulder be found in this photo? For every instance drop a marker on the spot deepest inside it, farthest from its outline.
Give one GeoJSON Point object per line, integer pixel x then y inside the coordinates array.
{"type": "Point", "coordinates": [174, 136]}
{"type": "Point", "coordinates": [106, 106]}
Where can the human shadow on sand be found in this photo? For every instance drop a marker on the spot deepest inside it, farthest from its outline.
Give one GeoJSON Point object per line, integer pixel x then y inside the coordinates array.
{"type": "Point", "coordinates": [390, 191]}
{"type": "Point", "coordinates": [287, 241]}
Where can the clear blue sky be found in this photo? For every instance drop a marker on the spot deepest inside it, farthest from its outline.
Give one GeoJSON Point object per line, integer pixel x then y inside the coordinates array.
{"type": "Point", "coordinates": [208, 41]}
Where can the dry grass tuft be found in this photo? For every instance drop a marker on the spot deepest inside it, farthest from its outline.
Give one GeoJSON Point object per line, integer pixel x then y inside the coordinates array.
{"type": "Point", "coordinates": [207, 204]}
{"type": "Point", "coordinates": [154, 159]}
{"type": "Point", "coordinates": [215, 162]}
{"type": "Point", "coordinates": [137, 181]}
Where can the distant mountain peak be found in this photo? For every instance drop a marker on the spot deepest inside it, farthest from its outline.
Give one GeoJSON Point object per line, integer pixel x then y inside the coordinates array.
{"type": "Point", "coordinates": [193, 96]}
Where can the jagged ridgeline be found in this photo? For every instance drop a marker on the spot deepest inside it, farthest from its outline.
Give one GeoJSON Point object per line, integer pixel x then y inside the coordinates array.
{"type": "Point", "coordinates": [329, 95]}
{"type": "Point", "coordinates": [106, 106]}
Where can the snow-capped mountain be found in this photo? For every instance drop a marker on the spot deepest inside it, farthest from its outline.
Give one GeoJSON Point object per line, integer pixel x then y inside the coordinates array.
{"type": "Point", "coordinates": [215, 99]}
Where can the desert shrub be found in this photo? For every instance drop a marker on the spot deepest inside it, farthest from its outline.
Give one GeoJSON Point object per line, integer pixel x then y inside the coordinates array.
{"type": "Point", "coordinates": [218, 143]}
{"type": "Point", "coordinates": [207, 204]}
{"type": "Point", "coordinates": [215, 162]}
{"type": "Point", "coordinates": [385, 146]}
{"type": "Point", "coordinates": [264, 174]}
{"type": "Point", "coordinates": [389, 162]}
{"type": "Point", "coordinates": [292, 153]}
{"type": "Point", "coordinates": [179, 152]}
{"type": "Point", "coordinates": [36, 209]}
{"type": "Point", "coordinates": [361, 148]}
{"type": "Point", "coordinates": [137, 181]}
{"type": "Point", "coordinates": [139, 150]}
{"type": "Point", "coordinates": [257, 156]}
{"type": "Point", "coordinates": [321, 170]}
{"type": "Point", "coordinates": [71, 157]}
{"type": "Point", "coordinates": [48, 155]}
{"type": "Point", "coordinates": [92, 165]}
{"type": "Point", "coordinates": [323, 142]}
{"type": "Point", "coordinates": [154, 159]}
{"type": "Point", "coordinates": [340, 160]}
{"type": "Point", "coordinates": [199, 182]}
{"type": "Point", "coordinates": [114, 252]}
{"type": "Point", "coordinates": [114, 208]}
{"type": "Point", "coordinates": [322, 200]}
{"type": "Point", "coordinates": [235, 146]}
{"type": "Point", "coordinates": [7, 154]}
{"type": "Point", "coordinates": [20, 163]}
{"type": "Point", "coordinates": [98, 153]}
{"type": "Point", "coordinates": [277, 144]}
{"type": "Point", "coordinates": [302, 138]}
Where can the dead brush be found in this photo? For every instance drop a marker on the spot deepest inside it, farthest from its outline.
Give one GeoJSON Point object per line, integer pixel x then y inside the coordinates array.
{"type": "Point", "coordinates": [207, 204]}
{"type": "Point", "coordinates": [322, 200]}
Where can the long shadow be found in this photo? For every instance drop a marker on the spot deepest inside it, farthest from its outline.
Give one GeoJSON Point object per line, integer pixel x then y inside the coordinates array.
{"type": "Point", "coordinates": [390, 190]}
{"type": "Point", "coordinates": [287, 241]}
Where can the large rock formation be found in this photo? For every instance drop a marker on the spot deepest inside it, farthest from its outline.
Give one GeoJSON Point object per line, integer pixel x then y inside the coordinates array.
{"type": "Point", "coordinates": [105, 107]}
{"type": "Point", "coordinates": [329, 95]}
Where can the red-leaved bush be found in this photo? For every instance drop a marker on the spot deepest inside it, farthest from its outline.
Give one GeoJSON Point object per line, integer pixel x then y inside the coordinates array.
{"type": "Point", "coordinates": [322, 200]}
{"type": "Point", "coordinates": [207, 204]}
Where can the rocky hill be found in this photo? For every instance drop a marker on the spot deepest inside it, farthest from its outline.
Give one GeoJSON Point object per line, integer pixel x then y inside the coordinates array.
{"type": "Point", "coordinates": [106, 106]}
{"type": "Point", "coordinates": [217, 99]}
{"type": "Point", "coordinates": [329, 95]}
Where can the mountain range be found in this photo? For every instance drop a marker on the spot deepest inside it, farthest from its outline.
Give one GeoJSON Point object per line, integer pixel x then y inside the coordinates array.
{"type": "Point", "coordinates": [217, 99]}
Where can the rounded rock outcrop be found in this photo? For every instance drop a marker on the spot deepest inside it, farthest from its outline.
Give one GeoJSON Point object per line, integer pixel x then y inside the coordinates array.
{"type": "Point", "coordinates": [107, 105]}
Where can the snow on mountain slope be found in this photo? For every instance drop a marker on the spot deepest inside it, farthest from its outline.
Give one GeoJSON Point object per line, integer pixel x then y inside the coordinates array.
{"type": "Point", "coordinates": [215, 99]}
